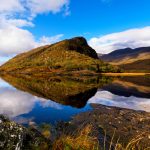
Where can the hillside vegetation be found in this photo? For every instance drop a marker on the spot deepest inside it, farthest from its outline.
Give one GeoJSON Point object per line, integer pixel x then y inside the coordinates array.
{"type": "Point", "coordinates": [65, 56]}
{"type": "Point", "coordinates": [137, 66]}
{"type": "Point", "coordinates": [130, 60]}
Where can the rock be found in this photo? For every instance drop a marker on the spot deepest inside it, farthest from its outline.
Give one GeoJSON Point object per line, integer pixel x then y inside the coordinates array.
{"type": "Point", "coordinates": [80, 45]}
{"type": "Point", "coordinates": [17, 137]}
{"type": "Point", "coordinates": [126, 123]}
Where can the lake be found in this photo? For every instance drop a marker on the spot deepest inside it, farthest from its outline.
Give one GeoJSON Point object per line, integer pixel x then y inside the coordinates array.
{"type": "Point", "coordinates": [35, 100]}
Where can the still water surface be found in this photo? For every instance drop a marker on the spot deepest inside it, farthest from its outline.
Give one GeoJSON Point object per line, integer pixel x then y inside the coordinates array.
{"type": "Point", "coordinates": [27, 100]}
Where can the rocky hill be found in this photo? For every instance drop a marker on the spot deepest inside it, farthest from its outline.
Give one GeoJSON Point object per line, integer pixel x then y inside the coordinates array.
{"type": "Point", "coordinates": [65, 56]}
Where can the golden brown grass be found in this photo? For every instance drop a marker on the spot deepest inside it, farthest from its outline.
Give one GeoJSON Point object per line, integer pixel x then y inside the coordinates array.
{"type": "Point", "coordinates": [125, 74]}
{"type": "Point", "coordinates": [134, 144]}
{"type": "Point", "coordinates": [82, 141]}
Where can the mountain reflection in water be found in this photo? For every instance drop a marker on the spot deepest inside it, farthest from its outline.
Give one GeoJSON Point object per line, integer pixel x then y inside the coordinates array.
{"type": "Point", "coordinates": [67, 91]}
{"type": "Point", "coordinates": [51, 99]}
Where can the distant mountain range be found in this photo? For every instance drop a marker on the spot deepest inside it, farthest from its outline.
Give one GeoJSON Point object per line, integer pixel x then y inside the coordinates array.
{"type": "Point", "coordinates": [131, 60]}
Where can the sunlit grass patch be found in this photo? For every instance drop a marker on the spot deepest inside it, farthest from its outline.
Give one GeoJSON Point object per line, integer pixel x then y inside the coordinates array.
{"type": "Point", "coordinates": [82, 140]}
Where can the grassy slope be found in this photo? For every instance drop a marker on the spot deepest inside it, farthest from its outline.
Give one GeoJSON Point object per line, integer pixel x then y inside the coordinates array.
{"type": "Point", "coordinates": [48, 60]}
{"type": "Point", "coordinates": [137, 60]}
{"type": "Point", "coordinates": [130, 59]}
{"type": "Point", "coordinates": [60, 57]}
{"type": "Point", "coordinates": [127, 129]}
{"type": "Point", "coordinates": [137, 66]}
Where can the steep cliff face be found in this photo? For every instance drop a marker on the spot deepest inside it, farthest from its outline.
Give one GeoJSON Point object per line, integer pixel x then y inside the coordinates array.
{"type": "Point", "coordinates": [78, 44]}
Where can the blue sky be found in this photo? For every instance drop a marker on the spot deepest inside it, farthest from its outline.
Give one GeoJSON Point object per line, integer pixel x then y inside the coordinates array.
{"type": "Point", "coordinates": [95, 17]}
{"type": "Point", "coordinates": [106, 24]}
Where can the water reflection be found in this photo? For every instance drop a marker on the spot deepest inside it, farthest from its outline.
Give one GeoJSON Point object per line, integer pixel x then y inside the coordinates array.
{"type": "Point", "coordinates": [74, 92]}
{"type": "Point", "coordinates": [14, 103]}
{"type": "Point", "coordinates": [131, 102]}
{"type": "Point", "coordinates": [51, 99]}
{"type": "Point", "coordinates": [125, 92]}
{"type": "Point", "coordinates": [130, 86]}
{"type": "Point", "coordinates": [28, 109]}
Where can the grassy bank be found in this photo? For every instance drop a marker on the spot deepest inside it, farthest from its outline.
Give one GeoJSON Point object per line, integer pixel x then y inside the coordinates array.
{"type": "Point", "coordinates": [125, 74]}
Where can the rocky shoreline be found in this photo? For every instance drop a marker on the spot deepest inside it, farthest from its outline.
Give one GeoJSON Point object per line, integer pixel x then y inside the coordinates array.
{"type": "Point", "coordinates": [111, 126]}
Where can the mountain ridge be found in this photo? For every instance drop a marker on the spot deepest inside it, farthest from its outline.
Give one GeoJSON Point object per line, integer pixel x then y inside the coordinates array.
{"type": "Point", "coordinates": [129, 59]}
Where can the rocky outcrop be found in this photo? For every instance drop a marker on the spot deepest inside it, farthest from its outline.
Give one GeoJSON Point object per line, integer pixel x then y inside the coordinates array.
{"type": "Point", "coordinates": [16, 137]}
{"type": "Point", "coordinates": [78, 44]}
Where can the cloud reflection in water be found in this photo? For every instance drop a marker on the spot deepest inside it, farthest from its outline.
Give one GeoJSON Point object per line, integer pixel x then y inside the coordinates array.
{"type": "Point", "coordinates": [14, 103]}
{"type": "Point", "coordinates": [107, 98]}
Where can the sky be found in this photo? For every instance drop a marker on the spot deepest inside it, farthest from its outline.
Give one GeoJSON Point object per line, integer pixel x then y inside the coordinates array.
{"type": "Point", "coordinates": [106, 24]}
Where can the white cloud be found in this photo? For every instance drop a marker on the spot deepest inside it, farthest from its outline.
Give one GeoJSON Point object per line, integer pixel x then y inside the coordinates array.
{"type": "Point", "coordinates": [15, 14]}
{"type": "Point", "coordinates": [20, 23]}
{"type": "Point", "coordinates": [5, 23]}
{"type": "Point", "coordinates": [31, 8]}
{"type": "Point", "coordinates": [10, 6]}
{"type": "Point", "coordinates": [15, 40]}
{"type": "Point", "coordinates": [45, 6]}
{"type": "Point", "coordinates": [133, 38]}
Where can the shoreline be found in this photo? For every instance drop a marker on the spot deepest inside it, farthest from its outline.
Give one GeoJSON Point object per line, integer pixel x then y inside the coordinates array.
{"type": "Point", "coordinates": [78, 73]}
{"type": "Point", "coordinates": [125, 74]}
{"type": "Point", "coordinates": [83, 127]}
